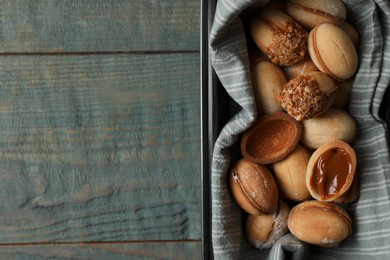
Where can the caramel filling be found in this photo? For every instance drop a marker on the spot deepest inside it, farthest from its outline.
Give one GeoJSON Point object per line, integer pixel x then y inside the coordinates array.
{"type": "Point", "coordinates": [332, 170]}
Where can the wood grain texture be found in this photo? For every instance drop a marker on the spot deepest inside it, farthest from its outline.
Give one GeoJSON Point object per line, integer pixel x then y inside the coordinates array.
{"type": "Point", "coordinates": [99, 148]}
{"type": "Point", "coordinates": [145, 250]}
{"type": "Point", "coordinates": [34, 26]}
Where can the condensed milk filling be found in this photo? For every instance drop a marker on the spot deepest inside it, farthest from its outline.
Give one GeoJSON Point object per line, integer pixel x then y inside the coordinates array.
{"type": "Point", "coordinates": [332, 171]}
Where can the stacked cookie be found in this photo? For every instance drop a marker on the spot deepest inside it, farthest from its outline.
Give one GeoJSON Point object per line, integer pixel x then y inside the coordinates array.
{"type": "Point", "coordinates": [297, 154]}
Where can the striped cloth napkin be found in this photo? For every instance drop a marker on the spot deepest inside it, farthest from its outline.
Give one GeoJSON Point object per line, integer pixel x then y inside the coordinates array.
{"type": "Point", "coordinates": [371, 213]}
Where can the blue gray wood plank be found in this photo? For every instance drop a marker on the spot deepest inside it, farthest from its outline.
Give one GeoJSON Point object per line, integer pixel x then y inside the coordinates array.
{"type": "Point", "coordinates": [36, 26]}
{"type": "Point", "coordinates": [99, 148]}
{"type": "Point", "coordinates": [145, 250]}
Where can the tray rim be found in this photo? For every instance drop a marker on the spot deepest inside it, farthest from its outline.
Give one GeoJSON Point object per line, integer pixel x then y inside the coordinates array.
{"type": "Point", "coordinates": [209, 133]}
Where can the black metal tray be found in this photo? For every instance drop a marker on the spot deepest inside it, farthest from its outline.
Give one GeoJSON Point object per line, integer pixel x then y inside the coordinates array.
{"type": "Point", "coordinates": [213, 116]}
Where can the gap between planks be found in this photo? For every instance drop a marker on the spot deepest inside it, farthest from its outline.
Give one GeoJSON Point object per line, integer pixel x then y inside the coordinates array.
{"type": "Point", "coordinates": [104, 242]}
{"type": "Point", "coordinates": [140, 52]}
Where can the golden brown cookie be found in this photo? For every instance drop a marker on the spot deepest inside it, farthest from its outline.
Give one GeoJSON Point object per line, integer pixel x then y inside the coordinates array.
{"type": "Point", "coordinates": [332, 125]}
{"type": "Point", "coordinates": [271, 138]}
{"type": "Point", "coordinates": [332, 51]}
{"type": "Point", "coordinates": [267, 81]}
{"type": "Point", "coordinates": [308, 95]}
{"type": "Point", "coordinates": [290, 174]}
{"type": "Point", "coordinates": [253, 187]}
{"type": "Point", "coordinates": [309, 13]}
{"type": "Point", "coordinates": [279, 37]}
{"type": "Point", "coordinates": [331, 170]}
{"type": "Point", "coordinates": [262, 231]}
{"type": "Point", "coordinates": [320, 223]}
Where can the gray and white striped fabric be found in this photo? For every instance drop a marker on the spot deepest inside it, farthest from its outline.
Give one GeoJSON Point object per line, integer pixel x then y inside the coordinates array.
{"type": "Point", "coordinates": [371, 213]}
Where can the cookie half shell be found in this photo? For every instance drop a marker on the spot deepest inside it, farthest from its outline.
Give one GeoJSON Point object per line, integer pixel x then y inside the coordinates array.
{"type": "Point", "coordinates": [271, 138]}
{"type": "Point", "coordinates": [331, 170]}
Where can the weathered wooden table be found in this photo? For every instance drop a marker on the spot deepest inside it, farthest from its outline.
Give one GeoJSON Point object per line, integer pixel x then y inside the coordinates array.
{"type": "Point", "coordinates": [100, 129]}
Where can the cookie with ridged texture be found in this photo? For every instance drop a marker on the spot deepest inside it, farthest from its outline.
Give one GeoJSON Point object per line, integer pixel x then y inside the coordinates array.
{"type": "Point", "coordinates": [319, 223]}
{"type": "Point", "coordinates": [308, 95]}
{"type": "Point", "coordinates": [253, 187]}
{"type": "Point", "coordinates": [309, 13]}
{"type": "Point", "coordinates": [281, 38]}
{"type": "Point", "coordinates": [332, 51]}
